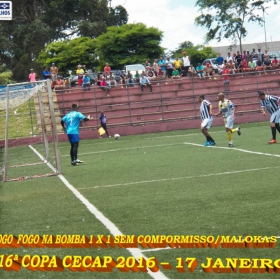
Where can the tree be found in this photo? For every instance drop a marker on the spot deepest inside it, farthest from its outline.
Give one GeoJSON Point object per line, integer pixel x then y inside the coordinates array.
{"type": "Point", "coordinates": [182, 47]}
{"type": "Point", "coordinates": [226, 19]}
{"type": "Point", "coordinates": [128, 44]}
{"type": "Point", "coordinates": [67, 54]}
{"type": "Point", "coordinates": [37, 23]}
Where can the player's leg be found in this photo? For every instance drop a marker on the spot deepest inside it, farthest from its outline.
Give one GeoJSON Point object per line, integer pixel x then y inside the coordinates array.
{"type": "Point", "coordinates": [229, 121]}
{"type": "Point", "coordinates": [273, 120]}
{"type": "Point", "coordinates": [205, 125]}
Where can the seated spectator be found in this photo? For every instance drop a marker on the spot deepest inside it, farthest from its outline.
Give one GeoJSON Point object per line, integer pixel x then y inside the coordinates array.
{"type": "Point", "coordinates": [98, 79]}
{"type": "Point", "coordinates": [169, 67]}
{"type": "Point", "coordinates": [221, 67]}
{"type": "Point", "coordinates": [175, 75]}
{"type": "Point", "coordinates": [123, 79]}
{"type": "Point", "coordinates": [251, 65]}
{"type": "Point", "coordinates": [144, 81]}
{"type": "Point", "coordinates": [192, 72]}
{"type": "Point", "coordinates": [274, 63]}
{"type": "Point", "coordinates": [151, 74]}
{"type": "Point", "coordinates": [80, 73]}
{"type": "Point", "coordinates": [137, 77]}
{"type": "Point", "coordinates": [199, 70]}
{"type": "Point", "coordinates": [267, 64]}
{"type": "Point", "coordinates": [67, 83]}
{"type": "Point", "coordinates": [104, 86]}
{"type": "Point", "coordinates": [112, 80]}
{"type": "Point", "coordinates": [161, 75]}
{"type": "Point", "coordinates": [129, 79]}
{"type": "Point", "coordinates": [86, 82]}
{"type": "Point", "coordinates": [231, 67]}
{"type": "Point", "coordinates": [259, 66]}
{"type": "Point", "coordinates": [59, 84]}
{"type": "Point", "coordinates": [209, 71]}
{"type": "Point", "coordinates": [245, 67]}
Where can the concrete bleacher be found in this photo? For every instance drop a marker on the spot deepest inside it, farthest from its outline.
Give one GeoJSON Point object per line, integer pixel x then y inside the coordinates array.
{"type": "Point", "coordinates": [171, 106]}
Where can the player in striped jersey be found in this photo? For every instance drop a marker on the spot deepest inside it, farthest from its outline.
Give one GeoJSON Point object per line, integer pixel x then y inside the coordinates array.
{"type": "Point", "coordinates": [227, 109]}
{"type": "Point", "coordinates": [270, 103]}
{"type": "Point", "coordinates": [207, 119]}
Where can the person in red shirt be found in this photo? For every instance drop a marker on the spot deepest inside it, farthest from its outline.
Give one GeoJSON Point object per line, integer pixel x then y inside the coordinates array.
{"type": "Point", "coordinates": [107, 70]}
{"type": "Point", "coordinates": [225, 74]}
{"type": "Point", "coordinates": [275, 63]}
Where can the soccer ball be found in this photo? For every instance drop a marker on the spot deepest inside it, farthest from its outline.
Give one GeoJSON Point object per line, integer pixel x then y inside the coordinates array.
{"type": "Point", "coordinates": [117, 136]}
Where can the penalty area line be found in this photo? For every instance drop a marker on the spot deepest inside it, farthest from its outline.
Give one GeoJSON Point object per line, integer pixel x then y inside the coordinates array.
{"type": "Point", "coordinates": [135, 252]}
{"type": "Point", "coordinates": [180, 178]}
{"type": "Point", "coordinates": [232, 148]}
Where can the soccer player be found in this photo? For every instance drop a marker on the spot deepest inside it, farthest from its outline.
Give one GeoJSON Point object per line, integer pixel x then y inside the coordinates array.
{"type": "Point", "coordinates": [270, 103]}
{"type": "Point", "coordinates": [207, 119]}
{"type": "Point", "coordinates": [227, 109]}
{"type": "Point", "coordinates": [72, 121]}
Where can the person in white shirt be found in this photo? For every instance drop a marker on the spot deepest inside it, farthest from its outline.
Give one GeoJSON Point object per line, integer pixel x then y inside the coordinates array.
{"type": "Point", "coordinates": [186, 64]}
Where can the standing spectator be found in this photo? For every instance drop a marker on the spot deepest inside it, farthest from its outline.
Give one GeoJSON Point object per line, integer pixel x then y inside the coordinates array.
{"type": "Point", "coordinates": [248, 56]}
{"type": "Point", "coordinates": [206, 120]}
{"type": "Point", "coordinates": [80, 73]}
{"type": "Point", "coordinates": [226, 108]}
{"type": "Point", "coordinates": [220, 59]}
{"type": "Point", "coordinates": [260, 55]}
{"type": "Point", "coordinates": [107, 69]}
{"type": "Point", "coordinates": [177, 65]}
{"type": "Point", "coordinates": [156, 66]}
{"type": "Point", "coordinates": [270, 103]}
{"type": "Point", "coordinates": [244, 55]}
{"type": "Point", "coordinates": [144, 81]}
{"type": "Point", "coordinates": [238, 60]}
{"type": "Point", "coordinates": [186, 64]}
{"type": "Point", "coordinates": [32, 76]}
{"type": "Point", "coordinates": [254, 55]}
{"type": "Point", "coordinates": [103, 123]}
{"type": "Point", "coordinates": [46, 74]}
{"type": "Point", "coordinates": [161, 64]}
{"type": "Point", "coordinates": [54, 72]}
{"type": "Point", "coordinates": [86, 82]}
{"type": "Point", "coordinates": [72, 121]}
{"type": "Point", "coordinates": [265, 55]}
{"type": "Point", "coordinates": [147, 64]}
{"type": "Point", "coordinates": [169, 67]}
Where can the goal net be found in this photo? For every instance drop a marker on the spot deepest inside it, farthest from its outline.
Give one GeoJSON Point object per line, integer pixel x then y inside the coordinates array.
{"type": "Point", "coordinates": [28, 141]}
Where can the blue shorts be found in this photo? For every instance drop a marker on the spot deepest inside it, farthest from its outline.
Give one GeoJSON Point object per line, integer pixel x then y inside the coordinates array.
{"type": "Point", "coordinates": [73, 138]}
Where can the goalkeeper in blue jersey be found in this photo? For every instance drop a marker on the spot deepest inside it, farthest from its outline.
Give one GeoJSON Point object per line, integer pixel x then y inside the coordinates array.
{"type": "Point", "coordinates": [72, 122]}
{"type": "Point", "coordinates": [227, 109]}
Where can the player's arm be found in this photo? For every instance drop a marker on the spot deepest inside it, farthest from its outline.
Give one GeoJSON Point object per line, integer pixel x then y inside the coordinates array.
{"type": "Point", "coordinates": [88, 118]}
{"type": "Point", "coordinates": [263, 110]}
{"type": "Point", "coordinates": [63, 125]}
{"type": "Point", "coordinates": [210, 109]}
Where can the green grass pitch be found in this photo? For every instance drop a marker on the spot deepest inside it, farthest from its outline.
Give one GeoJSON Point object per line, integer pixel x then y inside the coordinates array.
{"type": "Point", "coordinates": [154, 184]}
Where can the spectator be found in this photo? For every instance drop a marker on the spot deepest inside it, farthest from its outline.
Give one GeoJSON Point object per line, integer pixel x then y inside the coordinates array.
{"type": "Point", "coordinates": [46, 74]}
{"type": "Point", "coordinates": [245, 67]}
{"type": "Point", "coordinates": [199, 69]}
{"type": "Point", "coordinates": [229, 57]}
{"type": "Point", "coordinates": [267, 64]}
{"type": "Point", "coordinates": [248, 56]}
{"type": "Point", "coordinates": [103, 123]}
{"type": "Point", "coordinates": [175, 75]}
{"type": "Point", "coordinates": [98, 79]}
{"type": "Point", "coordinates": [161, 64]}
{"type": "Point", "coordinates": [129, 79]}
{"type": "Point", "coordinates": [160, 74]}
{"type": "Point", "coordinates": [186, 64]}
{"type": "Point", "coordinates": [147, 64]}
{"type": "Point", "coordinates": [107, 69]}
{"type": "Point", "coordinates": [254, 55]}
{"type": "Point", "coordinates": [244, 55]}
{"type": "Point", "coordinates": [259, 66]}
{"type": "Point", "coordinates": [112, 80]}
{"type": "Point", "coordinates": [156, 66]}
{"type": "Point", "coordinates": [192, 71]}
{"type": "Point", "coordinates": [169, 67]}
{"type": "Point", "coordinates": [32, 76]}
{"type": "Point", "coordinates": [274, 63]}
{"type": "Point", "coordinates": [260, 55]}
{"type": "Point", "coordinates": [137, 77]}
{"type": "Point", "coordinates": [59, 84]}
{"type": "Point", "coordinates": [151, 74]}
{"type": "Point", "coordinates": [209, 71]}
{"type": "Point", "coordinates": [220, 59]}
{"type": "Point", "coordinates": [177, 65]}
{"type": "Point", "coordinates": [80, 73]}
{"type": "Point", "coordinates": [86, 82]}
{"type": "Point", "coordinates": [144, 81]}
{"type": "Point", "coordinates": [238, 60]}
{"type": "Point", "coordinates": [265, 55]}
{"type": "Point", "coordinates": [251, 65]}
{"type": "Point", "coordinates": [231, 66]}
{"type": "Point", "coordinates": [123, 79]}
{"type": "Point", "coordinates": [54, 72]}
{"type": "Point", "coordinates": [104, 86]}
{"type": "Point", "coordinates": [67, 83]}
{"type": "Point", "coordinates": [225, 75]}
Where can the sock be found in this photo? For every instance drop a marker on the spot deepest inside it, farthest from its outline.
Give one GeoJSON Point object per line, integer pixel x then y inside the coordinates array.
{"type": "Point", "coordinates": [273, 131]}
{"type": "Point", "coordinates": [211, 139]}
{"type": "Point", "coordinates": [233, 130]}
{"type": "Point", "coordinates": [229, 136]}
{"type": "Point", "coordinates": [208, 138]}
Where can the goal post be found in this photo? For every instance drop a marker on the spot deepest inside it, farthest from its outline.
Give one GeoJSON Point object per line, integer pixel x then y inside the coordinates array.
{"type": "Point", "coordinates": [31, 138]}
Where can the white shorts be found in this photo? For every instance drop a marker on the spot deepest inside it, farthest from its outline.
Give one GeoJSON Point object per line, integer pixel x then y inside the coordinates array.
{"type": "Point", "coordinates": [229, 122]}
{"type": "Point", "coordinates": [206, 123]}
{"type": "Point", "coordinates": [275, 117]}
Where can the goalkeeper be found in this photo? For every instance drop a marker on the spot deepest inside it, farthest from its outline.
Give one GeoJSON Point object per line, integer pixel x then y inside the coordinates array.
{"type": "Point", "coordinates": [72, 122]}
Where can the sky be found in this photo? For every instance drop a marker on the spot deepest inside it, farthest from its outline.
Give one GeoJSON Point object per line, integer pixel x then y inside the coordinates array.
{"type": "Point", "coordinates": [176, 19]}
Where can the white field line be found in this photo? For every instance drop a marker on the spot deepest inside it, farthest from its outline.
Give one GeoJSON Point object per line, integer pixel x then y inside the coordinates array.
{"type": "Point", "coordinates": [236, 149]}
{"type": "Point", "coordinates": [125, 149]}
{"type": "Point", "coordinates": [135, 252]}
{"type": "Point", "coordinates": [181, 178]}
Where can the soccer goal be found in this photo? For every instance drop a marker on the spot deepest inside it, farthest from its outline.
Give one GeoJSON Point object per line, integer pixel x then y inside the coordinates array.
{"type": "Point", "coordinates": [29, 144]}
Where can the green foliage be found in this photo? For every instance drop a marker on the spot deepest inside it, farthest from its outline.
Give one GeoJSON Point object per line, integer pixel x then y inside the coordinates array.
{"type": "Point", "coordinates": [6, 77]}
{"type": "Point", "coordinates": [129, 44]}
{"type": "Point", "coordinates": [68, 54]}
{"type": "Point", "coordinates": [226, 19]}
{"type": "Point", "coordinates": [37, 23]}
